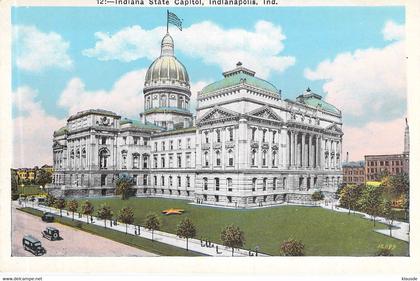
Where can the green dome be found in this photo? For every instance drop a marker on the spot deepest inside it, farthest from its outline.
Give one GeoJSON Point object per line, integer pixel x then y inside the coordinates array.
{"type": "Point", "coordinates": [314, 100]}
{"type": "Point", "coordinates": [238, 76]}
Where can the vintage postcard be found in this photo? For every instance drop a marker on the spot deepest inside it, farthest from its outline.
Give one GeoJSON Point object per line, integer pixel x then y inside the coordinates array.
{"type": "Point", "coordinates": [257, 131]}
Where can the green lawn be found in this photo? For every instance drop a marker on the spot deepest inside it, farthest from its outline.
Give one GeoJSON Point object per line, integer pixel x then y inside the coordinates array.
{"type": "Point", "coordinates": [131, 240]}
{"type": "Point", "coordinates": [324, 232]}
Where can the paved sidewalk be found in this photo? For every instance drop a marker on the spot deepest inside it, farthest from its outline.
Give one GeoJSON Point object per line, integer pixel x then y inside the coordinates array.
{"type": "Point", "coordinates": [163, 237]}
{"type": "Point", "coordinates": [400, 230]}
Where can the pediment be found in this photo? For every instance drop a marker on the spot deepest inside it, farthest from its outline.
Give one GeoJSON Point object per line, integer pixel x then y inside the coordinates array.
{"type": "Point", "coordinates": [334, 128]}
{"type": "Point", "coordinates": [218, 113]}
{"type": "Point", "coordinates": [266, 112]}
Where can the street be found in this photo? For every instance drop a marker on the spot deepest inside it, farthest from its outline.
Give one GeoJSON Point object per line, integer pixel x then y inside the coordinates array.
{"type": "Point", "coordinates": [75, 242]}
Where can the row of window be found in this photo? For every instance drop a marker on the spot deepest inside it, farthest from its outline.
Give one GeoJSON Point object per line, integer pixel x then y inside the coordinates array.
{"type": "Point", "coordinates": [171, 180]}
{"type": "Point", "coordinates": [218, 135]}
{"type": "Point", "coordinates": [171, 161]}
{"type": "Point", "coordinates": [171, 145]}
{"type": "Point", "coordinates": [229, 183]}
{"type": "Point", "coordinates": [385, 163]}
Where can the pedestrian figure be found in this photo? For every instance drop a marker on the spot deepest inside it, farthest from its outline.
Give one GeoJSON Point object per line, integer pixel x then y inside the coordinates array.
{"type": "Point", "coordinates": [91, 219]}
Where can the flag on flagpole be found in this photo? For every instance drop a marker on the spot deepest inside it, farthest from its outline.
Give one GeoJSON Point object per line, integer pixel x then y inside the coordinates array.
{"type": "Point", "coordinates": [173, 19]}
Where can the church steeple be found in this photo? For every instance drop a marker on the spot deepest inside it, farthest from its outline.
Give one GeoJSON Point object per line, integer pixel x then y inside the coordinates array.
{"type": "Point", "coordinates": [406, 137]}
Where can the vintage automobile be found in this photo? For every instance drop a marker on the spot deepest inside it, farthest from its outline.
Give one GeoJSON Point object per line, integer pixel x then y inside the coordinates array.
{"type": "Point", "coordinates": [47, 217]}
{"type": "Point", "coordinates": [33, 245]}
{"type": "Point", "coordinates": [51, 233]}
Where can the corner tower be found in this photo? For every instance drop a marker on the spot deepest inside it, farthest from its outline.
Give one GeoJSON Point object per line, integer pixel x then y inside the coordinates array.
{"type": "Point", "coordinates": [167, 89]}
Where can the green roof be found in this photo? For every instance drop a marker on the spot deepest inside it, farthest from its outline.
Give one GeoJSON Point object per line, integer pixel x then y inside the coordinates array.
{"type": "Point", "coordinates": [168, 109]}
{"type": "Point", "coordinates": [314, 102]}
{"type": "Point", "coordinates": [138, 124]}
{"type": "Point", "coordinates": [238, 78]}
{"type": "Point", "coordinates": [61, 131]}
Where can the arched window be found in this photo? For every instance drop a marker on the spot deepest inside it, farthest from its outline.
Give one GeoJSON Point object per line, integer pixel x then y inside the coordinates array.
{"type": "Point", "coordinates": [217, 183]}
{"type": "Point", "coordinates": [230, 157]}
{"type": "Point", "coordinates": [229, 184]}
{"type": "Point", "coordinates": [145, 161]}
{"type": "Point", "coordinates": [253, 154]}
{"type": "Point", "coordinates": [206, 159]}
{"type": "Point", "coordinates": [124, 159]}
{"type": "Point", "coordinates": [274, 159]}
{"type": "Point", "coordinates": [218, 160]}
{"type": "Point", "coordinates": [205, 183]}
{"type": "Point", "coordinates": [136, 160]}
{"type": "Point", "coordinates": [103, 159]}
{"type": "Point", "coordinates": [230, 134]}
{"type": "Point", "coordinates": [254, 184]}
{"type": "Point", "coordinates": [264, 158]}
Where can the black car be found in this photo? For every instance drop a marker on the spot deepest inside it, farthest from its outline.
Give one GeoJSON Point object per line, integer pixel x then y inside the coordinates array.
{"type": "Point", "coordinates": [51, 233]}
{"type": "Point", "coordinates": [33, 245]}
{"type": "Point", "coordinates": [48, 217]}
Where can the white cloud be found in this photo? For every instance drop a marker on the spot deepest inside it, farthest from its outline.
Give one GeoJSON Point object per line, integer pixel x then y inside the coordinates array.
{"type": "Point", "coordinates": [374, 138]}
{"type": "Point", "coordinates": [259, 49]}
{"type": "Point", "coordinates": [36, 50]}
{"type": "Point", "coordinates": [367, 84]}
{"type": "Point", "coordinates": [393, 31]}
{"type": "Point", "coordinates": [125, 97]}
{"type": "Point", "coordinates": [32, 130]}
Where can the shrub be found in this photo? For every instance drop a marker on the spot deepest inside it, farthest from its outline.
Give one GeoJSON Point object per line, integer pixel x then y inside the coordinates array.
{"type": "Point", "coordinates": [292, 247]}
{"type": "Point", "coordinates": [385, 250]}
{"type": "Point", "coordinates": [317, 196]}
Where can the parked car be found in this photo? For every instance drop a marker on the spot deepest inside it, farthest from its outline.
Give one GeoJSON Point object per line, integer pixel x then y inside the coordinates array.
{"type": "Point", "coordinates": [48, 217]}
{"type": "Point", "coordinates": [51, 233]}
{"type": "Point", "coordinates": [33, 245]}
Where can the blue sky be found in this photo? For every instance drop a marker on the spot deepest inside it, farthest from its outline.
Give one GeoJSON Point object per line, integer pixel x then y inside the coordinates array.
{"type": "Point", "coordinates": [312, 46]}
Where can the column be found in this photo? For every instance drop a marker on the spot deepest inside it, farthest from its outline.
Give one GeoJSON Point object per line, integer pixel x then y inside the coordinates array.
{"type": "Point", "coordinates": [302, 150]}
{"type": "Point", "coordinates": [294, 150]}
{"type": "Point", "coordinates": [311, 151]}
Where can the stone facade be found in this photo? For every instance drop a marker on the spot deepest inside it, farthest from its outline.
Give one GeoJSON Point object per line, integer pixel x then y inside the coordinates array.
{"type": "Point", "coordinates": [246, 146]}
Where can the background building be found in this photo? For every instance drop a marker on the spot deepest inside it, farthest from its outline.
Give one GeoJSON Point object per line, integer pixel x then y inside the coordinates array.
{"type": "Point", "coordinates": [354, 172]}
{"type": "Point", "coordinates": [377, 165]}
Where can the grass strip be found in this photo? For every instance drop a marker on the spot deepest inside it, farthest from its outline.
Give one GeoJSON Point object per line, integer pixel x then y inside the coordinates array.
{"type": "Point", "coordinates": [155, 247]}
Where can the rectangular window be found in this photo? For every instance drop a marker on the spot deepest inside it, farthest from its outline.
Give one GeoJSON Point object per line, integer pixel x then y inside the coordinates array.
{"type": "Point", "coordinates": [163, 146]}
{"type": "Point", "coordinates": [136, 140]}
{"type": "Point", "coordinates": [188, 181]}
{"type": "Point", "coordinates": [188, 160]}
{"type": "Point", "coordinates": [156, 146]}
{"type": "Point", "coordinates": [171, 145]}
{"type": "Point", "coordinates": [188, 143]}
{"type": "Point", "coordinates": [180, 144]}
{"type": "Point", "coordinates": [217, 183]}
{"type": "Point", "coordinates": [144, 179]}
{"type": "Point", "coordinates": [179, 181]}
{"type": "Point", "coordinates": [179, 160]}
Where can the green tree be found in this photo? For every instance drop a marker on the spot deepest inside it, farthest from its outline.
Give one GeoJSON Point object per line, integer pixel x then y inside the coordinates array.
{"type": "Point", "coordinates": [60, 204]}
{"type": "Point", "coordinates": [400, 183]}
{"type": "Point", "coordinates": [14, 184]}
{"type": "Point", "coordinates": [105, 213]}
{"type": "Point", "coordinates": [406, 205]}
{"type": "Point", "coordinates": [87, 209]}
{"type": "Point", "coordinates": [123, 186]}
{"type": "Point", "coordinates": [349, 196]}
{"type": "Point", "coordinates": [73, 205]}
{"type": "Point", "coordinates": [43, 177]}
{"type": "Point", "coordinates": [233, 237]}
{"type": "Point", "coordinates": [388, 213]}
{"type": "Point", "coordinates": [152, 223]}
{"type": "Point", "coordinates": [186, 229]}
{"type": "Point", "coordinates": [292, 247]}
{"type": "Point", "coordinates": [370, 201]}
{"type": "Point", "coordinates": [126, 216]}
{"type": "Point", "coordinates": [50, 200]}
{"type": "Point", "coordinates": [385, 250]}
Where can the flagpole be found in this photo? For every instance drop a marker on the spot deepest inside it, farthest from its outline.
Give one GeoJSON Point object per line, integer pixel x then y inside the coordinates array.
{"type": "Point", "coordinates": [167, 21]}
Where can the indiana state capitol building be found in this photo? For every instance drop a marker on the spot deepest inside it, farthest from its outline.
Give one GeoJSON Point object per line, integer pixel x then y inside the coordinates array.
{"type": "Point", "coordinates": [245, 147]}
